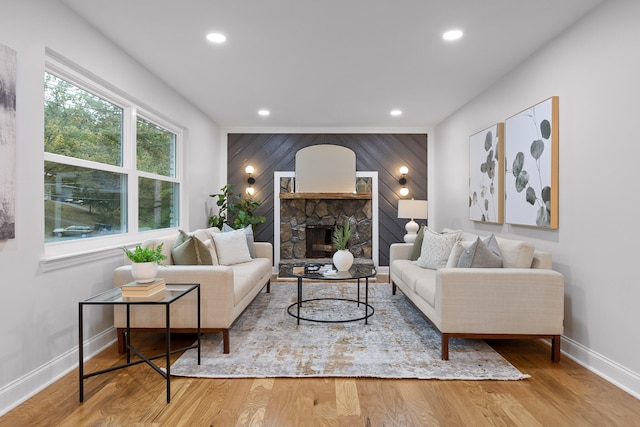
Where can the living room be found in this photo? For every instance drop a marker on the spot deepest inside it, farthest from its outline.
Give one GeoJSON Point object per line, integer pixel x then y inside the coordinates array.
{"type": "Point", "coordinates": [590, 65]}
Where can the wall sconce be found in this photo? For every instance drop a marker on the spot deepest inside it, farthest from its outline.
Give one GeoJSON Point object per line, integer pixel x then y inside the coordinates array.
{"type": "Point", "coordinates": [251, 180]}
{"type": "Point", "coordinates": [403, 180]}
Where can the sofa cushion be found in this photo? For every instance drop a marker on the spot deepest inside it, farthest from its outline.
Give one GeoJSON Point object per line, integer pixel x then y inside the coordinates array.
{"type": "Point", "coordinates": [481, 254]}
{"type": "Point", "coordinates": [436, 248]}
{"type": "Point", "coordinates": [426, 287]}
{"type": "Point", "coordinates": [411, 273]}
{"type": "Point", "coordinates": [246, 275]}
{"type": "Point", "coordinates": [231, 247]}
{"type": "Point", "coordinates": [515, 253]}
{"type": "Point", "coordinates": [248, 230]}
{"type": "Point", "coordinates": [189, 250]}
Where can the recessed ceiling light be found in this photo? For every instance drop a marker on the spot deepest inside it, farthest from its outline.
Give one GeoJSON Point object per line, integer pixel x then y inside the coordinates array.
{"type": "Point", "coordinates": [216, 38]}
{"type": "Point", "coordinates": [264, 113]}
{"type": "Point", "coordinates": [452, 35]}
{"type": "Point", "coordinates": [396, 112]}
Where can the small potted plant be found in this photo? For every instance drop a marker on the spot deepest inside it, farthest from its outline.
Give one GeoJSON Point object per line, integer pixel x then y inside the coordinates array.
{"type": "Point", "coordinates": [342, 258]}
{"type": "Point", "coordinates": [145, 262]}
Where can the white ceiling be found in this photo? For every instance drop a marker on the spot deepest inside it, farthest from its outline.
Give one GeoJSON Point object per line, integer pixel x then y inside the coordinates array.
{"type": "Point", "coordinates": [330, 63]}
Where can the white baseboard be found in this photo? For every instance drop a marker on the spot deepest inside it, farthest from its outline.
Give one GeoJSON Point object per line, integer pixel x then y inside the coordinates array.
{"type": "Point", "coordinates": [18, 391]}
{"type": "Point", "coordinates": [611, 371]}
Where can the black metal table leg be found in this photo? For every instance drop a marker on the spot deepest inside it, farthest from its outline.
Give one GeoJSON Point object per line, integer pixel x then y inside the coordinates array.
{"type": "Point", "coordinates": [81, 354]}
{"type": "Point", "coordinates": [366, 299]}
{"type": "Point", "coordinates": [168, 351]}
{"type": "Point", "coordinates": [299, 297]}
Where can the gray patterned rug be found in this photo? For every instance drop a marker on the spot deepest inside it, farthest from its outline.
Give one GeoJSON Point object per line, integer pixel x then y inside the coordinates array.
{"type": "Point", "coordinates": [397, 343]}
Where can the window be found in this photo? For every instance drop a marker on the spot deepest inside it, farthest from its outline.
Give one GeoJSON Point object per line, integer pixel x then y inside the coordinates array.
{"type": "Point", "coordinates": [103, 173]}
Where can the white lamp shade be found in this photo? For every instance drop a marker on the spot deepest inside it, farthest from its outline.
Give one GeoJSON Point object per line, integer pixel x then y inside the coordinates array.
{"type": "Point", "coordinates": [413, 209]}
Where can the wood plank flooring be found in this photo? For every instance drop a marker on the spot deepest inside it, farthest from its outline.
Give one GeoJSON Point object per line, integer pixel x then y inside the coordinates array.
{"type": "Point", "coordinates": [562, 394]}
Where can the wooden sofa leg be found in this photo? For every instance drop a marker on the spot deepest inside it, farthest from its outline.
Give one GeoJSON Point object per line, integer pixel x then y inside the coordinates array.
{"type": "Point", "coordinates": [393, 288]}
{"type": "Point", "coordinates": [225, 341]}
{"type": "Point", "coordinates": [121, 344]}
{"type": "Point", "coordinates": [555, 348]}
{"type": "Point", "coordinates": [445, 347]}
{"type": "Point", "coordinates": [269, 286]}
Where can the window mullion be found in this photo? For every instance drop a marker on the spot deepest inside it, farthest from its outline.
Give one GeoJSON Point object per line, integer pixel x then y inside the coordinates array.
{"type": "Point", "coordinates": [129, 162]}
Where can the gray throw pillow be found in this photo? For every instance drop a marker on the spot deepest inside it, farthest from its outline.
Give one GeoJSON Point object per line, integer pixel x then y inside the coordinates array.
{"type": "Point", "coordinates": [481, 254]}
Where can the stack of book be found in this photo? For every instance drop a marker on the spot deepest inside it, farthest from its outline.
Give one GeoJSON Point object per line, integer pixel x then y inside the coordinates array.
{"type": "Point", "coordinates": [135, 289]}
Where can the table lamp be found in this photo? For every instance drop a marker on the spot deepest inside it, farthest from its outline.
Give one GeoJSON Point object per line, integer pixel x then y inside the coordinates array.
{"type": "Point", "coordinates": [412, 209]}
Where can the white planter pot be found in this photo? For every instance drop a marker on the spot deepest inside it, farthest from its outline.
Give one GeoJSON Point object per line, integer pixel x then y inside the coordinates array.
{"type": "Point", "coordinates": [144, 272]}
{"type": "Point", "coordinates": [343, 260]}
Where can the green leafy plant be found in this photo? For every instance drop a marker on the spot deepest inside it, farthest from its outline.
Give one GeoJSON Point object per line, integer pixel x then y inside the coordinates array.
{"type": "Point", "coordinates": [341, 236]}
{"type": "Point", "coordinates": [146, 254]}
{"type": "Point", "coordinates": [235, 211]}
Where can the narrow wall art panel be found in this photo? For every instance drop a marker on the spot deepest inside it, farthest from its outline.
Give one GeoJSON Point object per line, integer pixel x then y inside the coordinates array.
{"type": "Point", "coordinates": [7, 142]}
{"type": "Point", "coordinates": [486, 179]}
{"type": "Point", "coordinates": [531, 178]}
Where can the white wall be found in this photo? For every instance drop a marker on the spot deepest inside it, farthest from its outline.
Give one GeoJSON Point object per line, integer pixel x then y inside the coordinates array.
{"type": "Point", "coordinates": [38, 313]}
{"type": "Point", "coordinates": [594, 68]}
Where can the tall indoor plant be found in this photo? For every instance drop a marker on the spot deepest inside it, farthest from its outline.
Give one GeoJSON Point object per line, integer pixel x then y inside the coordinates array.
{"type": "Point", "coordinates": [235, 211]}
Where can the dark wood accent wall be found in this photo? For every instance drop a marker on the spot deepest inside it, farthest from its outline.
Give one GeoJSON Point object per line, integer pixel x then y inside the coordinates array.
{"type": "Point", "coordinates": [384, 153]}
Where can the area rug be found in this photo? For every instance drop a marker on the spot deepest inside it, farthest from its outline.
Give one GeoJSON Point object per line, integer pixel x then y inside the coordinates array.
{"type": "Point", "coordinates": [397, 342]}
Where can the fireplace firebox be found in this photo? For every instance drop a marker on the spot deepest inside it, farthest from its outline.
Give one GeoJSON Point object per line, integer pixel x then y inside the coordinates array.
{"type": "Point", "coordinates": [318, 239]}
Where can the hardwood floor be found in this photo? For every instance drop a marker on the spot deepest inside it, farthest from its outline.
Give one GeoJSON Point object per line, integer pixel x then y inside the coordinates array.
{"type": "Point", "coordinates": [557, 394]}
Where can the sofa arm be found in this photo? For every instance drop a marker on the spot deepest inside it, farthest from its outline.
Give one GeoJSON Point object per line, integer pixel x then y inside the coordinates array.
{"type": "Point", "coordinates": [264, 250]}
{"type": "Point", "coordinates": [500, 301]}
{"type": "Point", "coordinates": [399, 251]}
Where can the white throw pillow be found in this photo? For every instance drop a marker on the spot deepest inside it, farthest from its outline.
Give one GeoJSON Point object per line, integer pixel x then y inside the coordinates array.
{"type": "Point", "coordinates": [249, 232]}
{"type": "Point", "coordinates": [436, 248]}
{"type": "Point", "coordinates": [231, 247]}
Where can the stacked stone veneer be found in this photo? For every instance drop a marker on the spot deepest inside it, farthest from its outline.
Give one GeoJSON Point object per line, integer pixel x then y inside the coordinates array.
{"type": "Point", "coordinates": [297, 214]}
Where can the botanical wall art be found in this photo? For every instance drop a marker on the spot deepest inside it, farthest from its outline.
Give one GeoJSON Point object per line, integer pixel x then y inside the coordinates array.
{"type": "Point", "coordinates": [7, 142]}
{"type": "Point", "coordinates": [531, 155]}
{"type": "Point", "coordinates": [486, 180]}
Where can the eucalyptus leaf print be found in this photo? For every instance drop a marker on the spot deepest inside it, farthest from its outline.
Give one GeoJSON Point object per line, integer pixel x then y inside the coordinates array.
{"type": "Point", "coordinates": [530, 156]}
{"type": "Point", "coordinates": [485, 175]}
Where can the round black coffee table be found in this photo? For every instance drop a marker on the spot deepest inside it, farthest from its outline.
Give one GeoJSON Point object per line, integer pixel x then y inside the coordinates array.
{"type": "Point", "coordinates": [316, 272]}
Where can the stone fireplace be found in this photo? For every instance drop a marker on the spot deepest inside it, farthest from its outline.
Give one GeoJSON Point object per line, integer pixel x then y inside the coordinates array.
{"type": "Point", "coordinates": [324, 192]}
{"type": "Point", "coordinates": [315, 215]}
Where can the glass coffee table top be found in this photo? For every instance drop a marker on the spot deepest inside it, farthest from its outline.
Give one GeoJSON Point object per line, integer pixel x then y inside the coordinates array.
{"type": "Point", "coordinates": [328, 272]}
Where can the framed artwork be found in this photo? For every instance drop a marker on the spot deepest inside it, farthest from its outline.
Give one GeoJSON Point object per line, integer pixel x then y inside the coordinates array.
{"type": "Point", "coordinates": [486, 179]}
{"type": "Point", "coordinates": [7, 142]}
{"type": "Point", "coordinates": [531, 155]}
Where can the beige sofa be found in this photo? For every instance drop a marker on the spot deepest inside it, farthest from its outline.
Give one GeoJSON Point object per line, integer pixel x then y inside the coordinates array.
{"type": "Point", "coordinates": [525, 299]}
{"type": "Point", "coordinates": [226, 290]}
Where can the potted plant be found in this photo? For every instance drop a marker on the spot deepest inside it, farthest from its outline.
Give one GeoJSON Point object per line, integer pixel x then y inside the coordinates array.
{"type": "Point", "coordinates": [235, 211]}
{"type": "Point", "coordinates": [145, 262]}
{"type": "Point", "coordinates": [342, 258]}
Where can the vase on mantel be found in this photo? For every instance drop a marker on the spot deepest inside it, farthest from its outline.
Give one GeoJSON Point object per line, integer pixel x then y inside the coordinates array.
{"type": "Point", "coordinates": [343, 259]}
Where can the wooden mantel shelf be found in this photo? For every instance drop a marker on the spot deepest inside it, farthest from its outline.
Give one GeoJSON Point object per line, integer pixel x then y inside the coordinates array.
{"type": "Point", "coordinates": [329, 196]}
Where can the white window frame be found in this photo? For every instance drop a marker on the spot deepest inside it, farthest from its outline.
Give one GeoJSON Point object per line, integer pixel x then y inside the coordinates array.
{"type": "Point", "coordinates": [72, 252]}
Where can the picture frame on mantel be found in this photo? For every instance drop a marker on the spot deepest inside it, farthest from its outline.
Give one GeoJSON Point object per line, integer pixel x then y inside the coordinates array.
{"type": "Point", "coordinates": [531, 176]}
{"type": "Point", "coordinates": [486, 177]}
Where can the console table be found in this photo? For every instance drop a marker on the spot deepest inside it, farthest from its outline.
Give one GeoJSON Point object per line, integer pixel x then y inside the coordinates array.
{"type": "Point", "coordinates": [114, 296]}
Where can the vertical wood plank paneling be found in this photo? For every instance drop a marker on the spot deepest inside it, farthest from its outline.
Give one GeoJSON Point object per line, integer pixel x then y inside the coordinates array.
{"type": "Point", "coordinates": [384, 153]}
